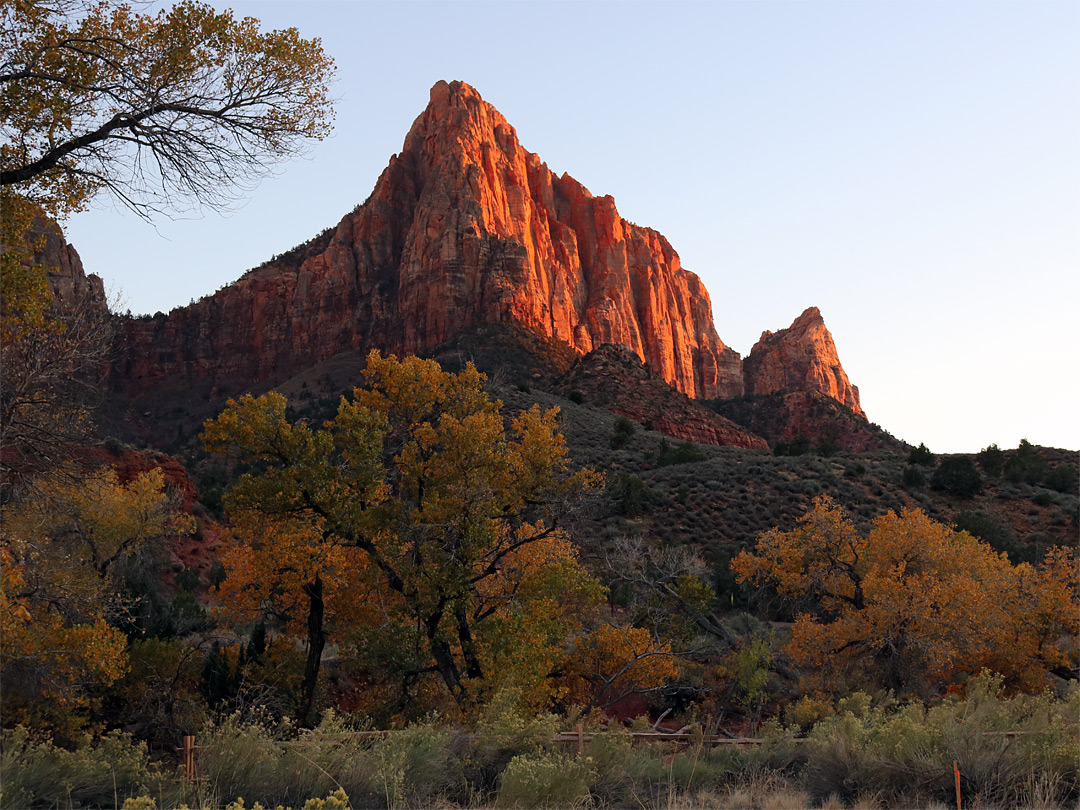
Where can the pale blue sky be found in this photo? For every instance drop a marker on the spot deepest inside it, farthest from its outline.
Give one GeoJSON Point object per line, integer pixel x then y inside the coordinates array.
{"type": "Point", "coordinates": [910, 168]}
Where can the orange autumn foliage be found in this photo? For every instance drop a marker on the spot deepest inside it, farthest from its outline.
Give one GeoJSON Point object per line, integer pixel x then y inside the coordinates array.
{"type": "Point", "coordinates": [268, 568]}
{"type": "Point", "coordinates": [612, 662]}
{"type": "Point", "coordinates": [914, 604]}
{"type": "Point", "coordinates": [418, 512]}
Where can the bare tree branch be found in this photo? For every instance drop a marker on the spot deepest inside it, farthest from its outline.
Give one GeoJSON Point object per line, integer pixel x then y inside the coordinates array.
{"type": "Point", "coordinates": [188, 107]}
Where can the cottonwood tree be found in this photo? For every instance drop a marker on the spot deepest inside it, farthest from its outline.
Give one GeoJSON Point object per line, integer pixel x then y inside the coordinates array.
{"type": "Point", "coordinates": [913, 605]}
{"type": "Point", "coordinates": [59, 610]}
{"type": "Point", "coordinates": [611, 663]}
{"type": "Point", "coordinates": [417, 479]}
{"type": "Point", "coordinates": [182, 106]}
{"type": "Point", "coordinates": [667, 589]}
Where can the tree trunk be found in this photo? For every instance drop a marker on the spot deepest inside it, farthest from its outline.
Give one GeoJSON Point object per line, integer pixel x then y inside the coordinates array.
{"type": "Point", "coordinates": [444, 659]}
{"type": "Point", "coordinates": [468, 646]}
{"type": "Point", "coordinates": [316, 642]}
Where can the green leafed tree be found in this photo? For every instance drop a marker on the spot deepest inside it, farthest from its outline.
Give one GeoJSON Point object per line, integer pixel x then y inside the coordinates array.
{"type": "Point", "coordinates": [957, 474]}
{"type": "Point", "coordinates": [991, 459]}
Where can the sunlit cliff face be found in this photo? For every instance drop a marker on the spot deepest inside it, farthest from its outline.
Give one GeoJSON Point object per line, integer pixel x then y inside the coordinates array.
{"type": "Point", "coordinates": [800, 358]}
{"type": "Point", "coordinates": [463, 227]}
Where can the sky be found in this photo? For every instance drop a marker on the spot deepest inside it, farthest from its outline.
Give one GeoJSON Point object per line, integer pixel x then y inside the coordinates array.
{"type": "Point", "coordinates": [910, 168]}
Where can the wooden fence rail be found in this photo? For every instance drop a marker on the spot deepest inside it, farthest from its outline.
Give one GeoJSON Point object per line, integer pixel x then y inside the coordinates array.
{"type": "Point", "coordinates": [662, 736]}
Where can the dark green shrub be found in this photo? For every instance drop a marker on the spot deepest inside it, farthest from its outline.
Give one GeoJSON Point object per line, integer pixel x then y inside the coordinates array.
{"type": "Point", "coordinates": [256, 645]}
{"type": "Point", "coordinates": [220, 680]}
{"type": "Point", "coordinates": [114, 447]}
{"type": "Point", "coordinates": [683, 453]}
{"type": "Point", "coordinates": [827, 447]}
{"type": "Point", "coordinates": [799, 446]}
{"type": "Point", "coordinates": [991, 459]}
{"type": "Point", "coordinates": [922, 455]}
{"type": "Point", "coordinates": [216, 574]}
{"type": "Point", "coordinates": [913, 477]}
{"type": "Point", "coordinates": [188, 580]}
{"type": "Point", "coordinates": [624, 431]}
{"type": "Point", "coordinates": [211, 484]}
{"type": "Point", "coordinates": [957, 475]}
{"type": "Point", "coordinates": [1043, 498]}
{"type": "Point", "coordinates": [629, 495]}
{"type": "Point", "coordinates": [999, 535]}
{"type": "Point", "coordinates": [150, 612]}
{"type": "Point", "coordinates": [159, 694]}
{"type": "Point", "coordinates": [576, 397]}
{"type": "Point", "coordinates": [1063, 478]}
{"type": "Point", "coordinates": [1026, 465]}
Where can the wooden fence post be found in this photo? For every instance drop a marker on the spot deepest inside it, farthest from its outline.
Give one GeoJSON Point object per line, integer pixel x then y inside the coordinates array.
{"type": "Point", "coordinates": [581, 739]}
{"type": "Point", "coordinates": [189, 758]}
{"type": "Point", "coordinates": [956, 773]}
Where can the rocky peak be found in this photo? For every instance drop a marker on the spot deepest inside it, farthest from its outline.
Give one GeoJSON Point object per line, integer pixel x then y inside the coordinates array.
{"type": "Point", "coordinates": [501, 238]}
{"type": "Point", "coordinates": [464, 227]}
{"type": "Point", "coordinates": [71, 286]}
{"type": "Point", "coordinates": [800, 358]}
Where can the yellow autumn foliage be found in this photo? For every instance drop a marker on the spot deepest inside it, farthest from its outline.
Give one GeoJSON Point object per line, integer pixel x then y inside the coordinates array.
{"type": "Point", "coordinates": [57, 596]}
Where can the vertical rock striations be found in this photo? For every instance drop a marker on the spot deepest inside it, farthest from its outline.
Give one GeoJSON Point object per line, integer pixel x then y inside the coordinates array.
{"type": "Point", "coordinates": [800, 358]}
{"type": "Point", "coordinates": [464, 227]}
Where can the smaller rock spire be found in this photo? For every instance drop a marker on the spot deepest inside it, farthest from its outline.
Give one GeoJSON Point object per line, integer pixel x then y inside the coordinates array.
{"type": "Point", "coordinates": [800, 358]}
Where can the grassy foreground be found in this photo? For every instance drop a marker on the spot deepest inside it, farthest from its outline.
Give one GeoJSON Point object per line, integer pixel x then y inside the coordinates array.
{"type": "Point", "coordinates": [862, 754]}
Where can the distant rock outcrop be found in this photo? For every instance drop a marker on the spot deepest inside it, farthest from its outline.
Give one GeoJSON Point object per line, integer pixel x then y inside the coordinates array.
{"type": "Point", "coordinates": [464, 227]}
{"type": "Point", "coordinates": [130, 463]}
{"type": "Point", "coordinates": [71, 286]}
{"type": "Point", "coordinates": [800, 358]}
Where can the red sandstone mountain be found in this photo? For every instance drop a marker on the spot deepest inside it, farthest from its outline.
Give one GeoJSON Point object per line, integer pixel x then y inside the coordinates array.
{"type": "Point", "coordinates": [800, 358]}
{"type": "Point", "coordinates": [464, 227]}
{"type": "Point", "coordinates": [464, 232]}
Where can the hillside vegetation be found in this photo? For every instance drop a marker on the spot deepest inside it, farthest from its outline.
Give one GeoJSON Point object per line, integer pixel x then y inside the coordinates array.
{"type": "Point", "coordinates": [374, 541]}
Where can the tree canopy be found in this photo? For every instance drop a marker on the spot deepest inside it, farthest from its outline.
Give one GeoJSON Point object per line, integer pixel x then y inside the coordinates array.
{"type": "Point", "coordinates": [914, 604]}
{"type": "Point", "coordinates": [187, 104]}
{"type": "Point", "coordinates": [60, 612]}
{"type": "Point", "coordinates": [414, 499]}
